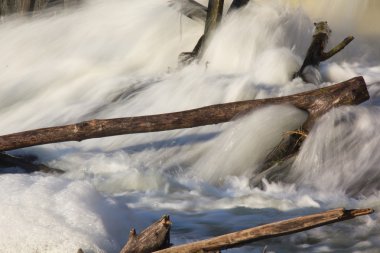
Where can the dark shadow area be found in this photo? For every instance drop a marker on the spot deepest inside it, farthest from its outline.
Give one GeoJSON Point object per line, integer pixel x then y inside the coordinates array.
{"type": "Point", "coordinates": [171, 142]}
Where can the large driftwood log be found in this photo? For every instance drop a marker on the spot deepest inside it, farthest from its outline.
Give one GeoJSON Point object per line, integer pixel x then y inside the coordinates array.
{"type": "Point", "coordinates": [154, 237]}
{"type": "Point", "coordinates": [315, 53]}
{"type": "Point", "coordinates": [315, 102]}
{"type": "Point", "coordinates": [271, 230]}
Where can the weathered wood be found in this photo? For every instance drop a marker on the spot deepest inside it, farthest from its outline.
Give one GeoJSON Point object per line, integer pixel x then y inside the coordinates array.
{"type": "Point", "coordinates": [154, 237]}
{"type": "Point", "coordinates": [315, 53]}
{"type": "Point", "coordinates": [315, 102]}
{"type": "Point", "coordinates": [7, 161]}
{"type": "Point", "coordinates": [271, 230]}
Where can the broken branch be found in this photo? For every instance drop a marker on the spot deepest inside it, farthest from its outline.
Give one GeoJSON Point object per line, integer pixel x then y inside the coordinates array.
{"type": "Point", "coordinates": [271, 230]}
{"type": "Point", "coordinates": [337, 48]}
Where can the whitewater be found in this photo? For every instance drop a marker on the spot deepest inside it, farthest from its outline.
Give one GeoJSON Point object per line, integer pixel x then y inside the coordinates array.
{"type": "Point", "coordinates": [118, 58]}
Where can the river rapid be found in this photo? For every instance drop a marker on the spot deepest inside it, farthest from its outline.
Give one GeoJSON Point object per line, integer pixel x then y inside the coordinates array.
{"type": "Point", "coordinates": [118, 58]}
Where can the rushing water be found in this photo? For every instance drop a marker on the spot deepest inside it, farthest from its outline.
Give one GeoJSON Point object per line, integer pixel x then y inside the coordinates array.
{"type": "Point", "coordinates": [118, 58]}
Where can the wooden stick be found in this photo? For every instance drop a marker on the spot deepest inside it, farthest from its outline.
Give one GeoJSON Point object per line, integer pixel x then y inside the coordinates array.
{"type": "Point", "coordinates": [315, 102]}
{"type": "Point", "coordinates": [154, 237]}
{"type": "Point", "coordinates": [337, 48]}
{"type": "Point", "coordinates": [271, 230]}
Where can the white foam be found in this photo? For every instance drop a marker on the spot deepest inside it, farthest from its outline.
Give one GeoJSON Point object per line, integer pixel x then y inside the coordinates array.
{"type": "Point", "coordinates": [118, 58]}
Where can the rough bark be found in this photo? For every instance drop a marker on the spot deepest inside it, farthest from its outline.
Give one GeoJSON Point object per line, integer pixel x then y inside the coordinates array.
{"type": "Point", "coordinates": [155, 237]}
{"type": "Point", "coordinates": [315, 102]}
{"type": "Point", "coordinates": [315, 53]}
{"type": "Point", "coordinates": [271, 230]}
{"type": "Point", "coordinates": [9, 161]}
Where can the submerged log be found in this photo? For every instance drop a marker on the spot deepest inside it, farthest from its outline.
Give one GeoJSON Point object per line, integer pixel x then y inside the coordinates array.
{"type": "Point", "coordinates": [271, 230]}
{"type": "Point", "coordinates": [153, 238]}
{"type": "Point", "coordinates": [315, 53]}
{"type": "Point", "coordinates": [190, 9]}
{"type": "Point", "coordinates": [7, 161]}
{"type": "Point", "coordinates": [197, 11]}
{"type": "Point", "coordinates": [315, 102]}
{"type": "Point", "coordinates": [214, 16]}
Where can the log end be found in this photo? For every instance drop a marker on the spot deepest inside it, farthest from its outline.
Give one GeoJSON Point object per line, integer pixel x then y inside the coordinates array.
{"type": "Point", "coordinates": [358, 212]}
{"type": "Point", "coordinates": [153, 238]}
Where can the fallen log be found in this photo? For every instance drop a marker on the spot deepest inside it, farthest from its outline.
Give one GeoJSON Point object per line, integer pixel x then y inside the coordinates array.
{"type": "Point", "coordinates": [315, 102]}
{"type": "Point", "coordinates": [153, 238]}
{"type": "Point", "coordinates": [271, 230]}
{"type": "Point", "coordinates": [8, 161]}
{"type": "Point", "coordinates": [315, 53]}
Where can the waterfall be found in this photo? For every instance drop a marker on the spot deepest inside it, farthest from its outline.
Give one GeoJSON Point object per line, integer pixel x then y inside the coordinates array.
{"type": "Point", "coordinates": [118, 58]}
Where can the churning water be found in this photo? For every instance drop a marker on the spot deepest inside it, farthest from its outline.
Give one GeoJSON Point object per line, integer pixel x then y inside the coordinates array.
{"type": "Point", "coordinates": [118, 58]}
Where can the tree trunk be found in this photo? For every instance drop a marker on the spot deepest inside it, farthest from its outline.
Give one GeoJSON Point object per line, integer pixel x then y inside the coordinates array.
{"type": "Point", "coordinates": [315, 53]}
{"type": "Point", "coordinates": [214, 16]}
{"type": "Point", "coordinates": [315, 102]}
{"type": "Point", "coordinates": [271, 230]}
{"type": "Point", "coordinates": [155, 237]}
